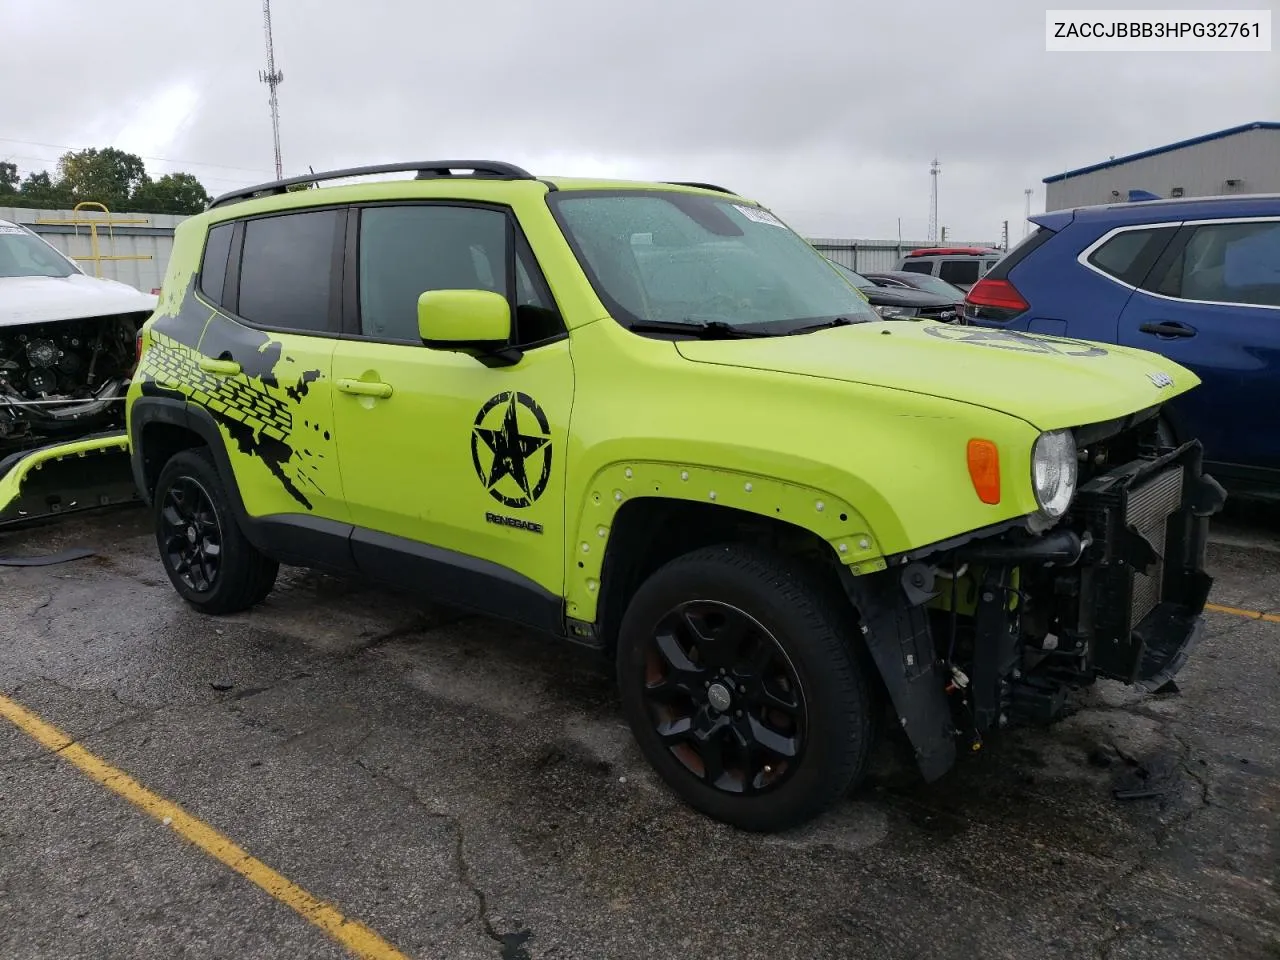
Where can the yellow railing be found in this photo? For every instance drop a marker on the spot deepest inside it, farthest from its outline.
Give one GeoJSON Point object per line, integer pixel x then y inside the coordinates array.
{"type": "Point", "coordinates": [93, 223]}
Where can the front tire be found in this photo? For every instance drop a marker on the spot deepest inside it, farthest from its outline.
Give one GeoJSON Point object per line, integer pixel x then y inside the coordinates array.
{"type": "Point", "coordinates": [743, 688]}
{"type": "Point", "coordinates": [206, 555]}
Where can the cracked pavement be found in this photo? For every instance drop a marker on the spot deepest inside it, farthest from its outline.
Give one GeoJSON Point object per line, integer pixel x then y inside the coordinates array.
{"type": "Point", "coordinates": [468, 790]}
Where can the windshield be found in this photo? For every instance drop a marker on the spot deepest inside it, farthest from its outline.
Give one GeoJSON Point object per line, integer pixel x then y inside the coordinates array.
{"type": "Point", "coordinates": [934, 285]}
{"type": "Point", "coordinates": [23, 254]}
{"type": "Point", "coordinates": [685, 258]}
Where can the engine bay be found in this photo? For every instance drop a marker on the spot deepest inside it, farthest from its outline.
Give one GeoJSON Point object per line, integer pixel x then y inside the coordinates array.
{"type": "Point", "coordinates": [64, 377]}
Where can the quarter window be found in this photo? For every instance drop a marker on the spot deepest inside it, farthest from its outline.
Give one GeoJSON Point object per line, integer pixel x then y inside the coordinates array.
{"type": "Point", "coordinates": [213, 269]}
{"type": "Point", "coordinates": [286, 271]}
{"type": "Point", "coordinates": [1129, 255]}
{"type": "Point", "coordinates": [1228, 263]}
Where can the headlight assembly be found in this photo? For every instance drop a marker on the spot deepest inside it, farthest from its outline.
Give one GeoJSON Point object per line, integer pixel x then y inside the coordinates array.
{"type": "Point", "coordinates": [1054, 470]}
{"type": "Point", "coordinates": [893, 313]}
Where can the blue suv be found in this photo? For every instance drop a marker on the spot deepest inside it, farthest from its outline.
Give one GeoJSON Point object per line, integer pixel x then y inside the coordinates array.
{"type": "Point", "coordinates": [1197, 280]}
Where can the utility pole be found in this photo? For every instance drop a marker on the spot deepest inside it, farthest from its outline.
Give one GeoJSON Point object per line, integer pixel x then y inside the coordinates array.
{"type": "Point", "coordinates": [1026, 222]}
{"type": "Point", "coordinates": [272, 78]}
{"type": "Point", "coordinates": [944, 234]}
{"type": "Point", "coordinates": [934, 167]}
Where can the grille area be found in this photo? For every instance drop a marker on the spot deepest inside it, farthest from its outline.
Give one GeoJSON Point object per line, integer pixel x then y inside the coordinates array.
{"type": "Point", "coordinates": [1148, 513]}
{"type": "Point", "coordinates": [945, 314]}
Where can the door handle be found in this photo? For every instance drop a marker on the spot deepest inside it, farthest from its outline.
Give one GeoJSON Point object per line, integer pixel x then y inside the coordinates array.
{"type": "Point", "coordinates": [1168, 328]}
{"type": "Point", "coordinates": [365, 388]}
{"type": "Point", "coordinates": [221, 368]}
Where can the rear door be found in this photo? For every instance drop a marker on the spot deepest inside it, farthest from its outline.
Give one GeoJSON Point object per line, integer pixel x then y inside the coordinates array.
{"type": "Point", "coordinates": [262, 366]}
{"type": "Point", "coordinates": [1212, 303]}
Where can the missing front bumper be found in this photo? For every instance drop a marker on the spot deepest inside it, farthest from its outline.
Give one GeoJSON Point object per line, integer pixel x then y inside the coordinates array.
{"type": "Point", "coordinates": [83, 474]}
{"type": "Point", "coordinates": [1143, 583]}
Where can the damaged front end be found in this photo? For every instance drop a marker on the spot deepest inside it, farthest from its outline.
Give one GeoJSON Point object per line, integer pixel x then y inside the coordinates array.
{"type": "Point", "coordinates": [64, 379]}
{"type": "Point", "coordinates": [62, 395]}
{"type": "Point", "coordinates": [996, 629]}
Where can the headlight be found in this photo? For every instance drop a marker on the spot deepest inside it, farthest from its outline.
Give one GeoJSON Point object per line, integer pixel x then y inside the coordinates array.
{"type": "Point", "coordinates": [1053, 471]}
{"type": "Point", "coordinates": [893, 313]}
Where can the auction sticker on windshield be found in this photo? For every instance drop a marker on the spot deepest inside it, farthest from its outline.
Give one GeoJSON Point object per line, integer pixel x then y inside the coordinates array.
{"type": "Point", "coordinates": [759, 215]}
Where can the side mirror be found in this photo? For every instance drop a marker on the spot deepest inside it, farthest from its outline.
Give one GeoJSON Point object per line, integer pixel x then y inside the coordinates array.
{"type": "Point", "coordinates": [474, 322]}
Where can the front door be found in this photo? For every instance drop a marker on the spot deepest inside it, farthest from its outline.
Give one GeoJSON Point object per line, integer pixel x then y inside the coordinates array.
{"type": "Point", "coordinates": [444, 457]}
{"type": "Point", "coordinates": [1212, 304]}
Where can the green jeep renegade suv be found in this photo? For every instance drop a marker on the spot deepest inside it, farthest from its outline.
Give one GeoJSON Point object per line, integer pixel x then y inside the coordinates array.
{"type": "Point", "coordinates": [651, 419]}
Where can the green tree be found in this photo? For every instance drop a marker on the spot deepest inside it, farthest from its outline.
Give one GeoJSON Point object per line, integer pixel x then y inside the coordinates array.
{"type": "Point", "coordinates": [108, 176]}
{"type": "Point", "coordinates": [40, 191]}
{"type": "Point", "coordinates": [178, 193]}
{"type": "Point", "coordinates": [8, 179]}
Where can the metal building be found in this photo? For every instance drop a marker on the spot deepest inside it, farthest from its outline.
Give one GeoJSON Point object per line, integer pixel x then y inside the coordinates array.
{"type": "Point", "coordinates": [133, 248]}
{"type": "Point", "coordinates": [1238, 160]}
{"type": "Point", "coordinates": [872, 256]}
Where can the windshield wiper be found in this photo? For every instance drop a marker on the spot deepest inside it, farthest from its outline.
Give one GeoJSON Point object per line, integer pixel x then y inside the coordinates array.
{"type": "Point", "coordinates": [826, 324]}
{"type": "Point", "coordinates": [704, 329]}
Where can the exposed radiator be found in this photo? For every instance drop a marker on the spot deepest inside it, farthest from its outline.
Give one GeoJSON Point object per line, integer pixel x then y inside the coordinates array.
{"type": "Point", "coordinates": [1148, 513]}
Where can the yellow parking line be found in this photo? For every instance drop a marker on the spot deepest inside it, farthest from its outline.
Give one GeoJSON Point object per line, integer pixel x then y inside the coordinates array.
{"type": "Point", "coordinates": [352, 934]}
{"type": "Point", "coordinates": [1237, 612]}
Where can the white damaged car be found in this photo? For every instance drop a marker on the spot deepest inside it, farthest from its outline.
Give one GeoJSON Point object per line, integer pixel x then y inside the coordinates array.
{"type": "Point", "coordinates": [68, 347]}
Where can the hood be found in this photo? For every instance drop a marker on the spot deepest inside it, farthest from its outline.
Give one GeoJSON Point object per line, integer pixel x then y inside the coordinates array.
{"type": "Point", "coordinates": [904, 297]}
{"type": "Point", "coordinates": [41, 299]}
{"type": "Point", "coordinates": [1050, 382]}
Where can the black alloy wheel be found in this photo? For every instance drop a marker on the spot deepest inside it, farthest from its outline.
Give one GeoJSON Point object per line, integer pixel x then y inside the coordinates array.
{"type": "Point", "coordinates": [208, 558]}
{"type": "Point", "coordinates": [724, 697]}
{"type": "Point", "coordinates": [191, 534]}
{"type": "Point", "coordinates": [745, 682]}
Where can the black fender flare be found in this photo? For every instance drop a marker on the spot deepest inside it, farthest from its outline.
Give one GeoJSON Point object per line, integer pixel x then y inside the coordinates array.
{"type": "Point", "coordinates": [175, 412]}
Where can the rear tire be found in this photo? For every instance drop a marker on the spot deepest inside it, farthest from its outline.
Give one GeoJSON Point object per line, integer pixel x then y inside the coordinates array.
{"type": "Point", "coordinates": [740, 680]}
{"type": "Point", "coordinates": [206, 555]}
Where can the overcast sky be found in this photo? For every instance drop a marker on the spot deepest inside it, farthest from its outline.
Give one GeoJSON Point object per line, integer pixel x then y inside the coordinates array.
{"type": "Point", "coordinates": [827, 111]}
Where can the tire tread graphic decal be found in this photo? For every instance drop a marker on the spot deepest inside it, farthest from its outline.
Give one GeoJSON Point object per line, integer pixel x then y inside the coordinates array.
{"type": "Point", "coordinates": [256, 411]}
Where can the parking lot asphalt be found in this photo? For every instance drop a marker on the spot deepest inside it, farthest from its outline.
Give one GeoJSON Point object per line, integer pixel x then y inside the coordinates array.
{"type": "Point", "coordinates": [463, 789]}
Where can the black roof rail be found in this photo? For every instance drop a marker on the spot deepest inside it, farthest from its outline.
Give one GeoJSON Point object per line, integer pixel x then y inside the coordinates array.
{"type": "Point", "coordinates": [701, 186]}
{"type": "Point", "coordinates": [424, 170]}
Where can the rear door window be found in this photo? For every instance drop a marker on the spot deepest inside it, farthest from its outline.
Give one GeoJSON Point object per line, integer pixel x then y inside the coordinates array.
{"type": "Point", "coordinates": [918, 266]}
{"type": "Point", "coordinates": [286, 271]}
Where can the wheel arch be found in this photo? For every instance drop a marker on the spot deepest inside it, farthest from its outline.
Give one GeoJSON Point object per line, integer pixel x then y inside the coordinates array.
{"type": "Point", "coordinates": [159, 428]}
{"type": "Point", "coordinates": [637, 515]}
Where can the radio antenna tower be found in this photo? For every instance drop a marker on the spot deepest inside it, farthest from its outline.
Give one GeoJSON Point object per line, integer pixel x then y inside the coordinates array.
{"type": "Point", "coordinates": [934, 167]}
{"type": "Point", "coordinates": [272, 78]}
{"type": "Point", "coordinates": [1026, 223]}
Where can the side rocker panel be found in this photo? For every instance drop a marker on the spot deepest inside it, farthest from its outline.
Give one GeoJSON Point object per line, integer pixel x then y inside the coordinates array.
{"type": "Point", "coordinates": [318, 543]}
{"type": "Point", "coordinates": [830, 518]}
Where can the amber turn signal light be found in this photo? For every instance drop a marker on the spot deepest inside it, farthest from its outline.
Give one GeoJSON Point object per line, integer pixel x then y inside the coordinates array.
{"type": "Point", "coordinates": [984, 470]}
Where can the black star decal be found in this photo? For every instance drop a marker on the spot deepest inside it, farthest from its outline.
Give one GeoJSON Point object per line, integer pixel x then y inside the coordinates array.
{"type": "Point", "coordinates": [510, 450]}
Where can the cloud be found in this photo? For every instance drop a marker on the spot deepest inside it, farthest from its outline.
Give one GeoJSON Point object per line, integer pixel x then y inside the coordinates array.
{"type": "Point", "coordinates": [828, 112]}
